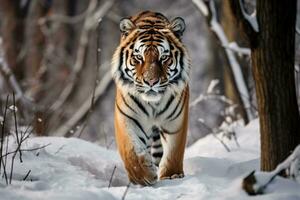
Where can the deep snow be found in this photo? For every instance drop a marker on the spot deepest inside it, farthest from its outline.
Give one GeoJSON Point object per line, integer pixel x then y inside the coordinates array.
{"type": "Point", "coordinates": [76, 169]}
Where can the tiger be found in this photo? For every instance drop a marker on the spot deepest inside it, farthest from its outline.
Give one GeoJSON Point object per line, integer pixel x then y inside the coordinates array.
{"type": "Point", "coordinates": [150, 68]}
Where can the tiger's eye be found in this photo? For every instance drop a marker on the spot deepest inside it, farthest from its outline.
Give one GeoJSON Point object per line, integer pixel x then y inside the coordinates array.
{"type": "Point", "coordinates": [164, 57]}
{"type": "Point", "coordinates": [139, 57]}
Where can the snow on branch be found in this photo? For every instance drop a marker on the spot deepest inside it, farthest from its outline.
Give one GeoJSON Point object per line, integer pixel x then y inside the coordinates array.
{"type": "Point", "coordinates": [210, 95]}
{"type": "Point", "coordinates": [235, 67]}
{"type": "Point", "coordinates": [231, 120]}
{"type": "Point", "coordinates": [241, 51]}
{"type": "Point", "coordinates": [248, 22]}
{"type": "Point", "coordinates": [257, 182]}
{"type": "Point", "coordinates": [202, 7]}
{"type": "Point", "coordinates": [250, 18]}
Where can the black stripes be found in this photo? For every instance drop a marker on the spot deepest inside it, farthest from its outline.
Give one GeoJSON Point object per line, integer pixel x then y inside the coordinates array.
{"type": "Point", "coordinates": [157, 154]}
{"type": "Point", "coordinates": [156, 137]}
{"type": "Point", "coordinates": [143, 140]}
{"type": "Point", "coordinates": [139, 104]}
{"type": "Point", "coordinates": [176, 107]}
{"type": "Point", "coordinates": [134, 120]}
{"type": "Point", "coordinates": [125, 102]}
{"type": "Point", "coordinates": [180, 110]}
{"type": "Point", "coordinates": [156, 146]}
{"type": "Point", "coordinates": [167, 105]}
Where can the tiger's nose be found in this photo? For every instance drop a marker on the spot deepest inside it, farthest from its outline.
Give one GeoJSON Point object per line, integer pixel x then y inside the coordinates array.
{"type": "Point", "coordinates": [151, 81]}
{"type": "Point", "coordinates": [151, 74]}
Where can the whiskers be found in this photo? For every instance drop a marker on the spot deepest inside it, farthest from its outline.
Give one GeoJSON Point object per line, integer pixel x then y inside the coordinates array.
{"type": "Point", "coordinates": [144, 88]}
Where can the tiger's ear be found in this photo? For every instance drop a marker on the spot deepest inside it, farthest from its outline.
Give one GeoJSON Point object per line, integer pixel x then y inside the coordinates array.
{"type": "Point", "coordinates": [126, 25]}
{"type": "Point", "coordinates": [178, 26]}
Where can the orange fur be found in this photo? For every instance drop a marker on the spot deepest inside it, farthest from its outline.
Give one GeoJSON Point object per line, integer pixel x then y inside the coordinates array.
{"type": "Point", "coordinates": [151, 69]}
{"type": "Point", "coordinates": [174, 163]}
{"type": "Point", "coordinates": [136, 166]}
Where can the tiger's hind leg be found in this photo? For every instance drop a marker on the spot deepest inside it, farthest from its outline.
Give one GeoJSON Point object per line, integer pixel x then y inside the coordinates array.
{"type": "Point", "coordinates": [171, 164]}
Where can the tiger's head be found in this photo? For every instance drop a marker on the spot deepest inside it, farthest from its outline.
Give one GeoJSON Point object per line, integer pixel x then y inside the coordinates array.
{"type": "Point", "coordinates": [151, 59]}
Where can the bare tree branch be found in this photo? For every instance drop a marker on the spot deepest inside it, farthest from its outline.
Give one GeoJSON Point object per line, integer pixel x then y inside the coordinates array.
{"type": "Point", "coordinates": [251, 19]}
{"type": "Point", "coordinates": [82, 111]}
{"type": "Point", "coordinates": [89, 23]}
{"type": "Point", "coordinates": [211, 16]}
{"type": "Point", "coordinates": [12, 81]}
{"type": "Point", "coordinates": [248, 23]}
{"type": "Point", "coordinates": [241, 51]}
{"type": "Point", "coordinates": [63, 18]}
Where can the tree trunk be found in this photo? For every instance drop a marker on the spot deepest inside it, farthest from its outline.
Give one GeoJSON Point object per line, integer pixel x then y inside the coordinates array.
{"type": "Point", "coordinates": [273, 70]}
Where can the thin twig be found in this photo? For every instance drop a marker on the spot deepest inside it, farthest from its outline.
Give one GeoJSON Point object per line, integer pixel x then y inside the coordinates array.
{"type": "Point", "coordinates": [24, 179]}
{"type": "Point", "coordinates": [221, 141]}
{"type": "Point", "coordinates": [236, 140]}
{"type": "Point", "coordinates": [59, 149]}
{"type": "Point", "coordinates": [112, 175]}
{"type": "Point", "coordinates": [215, 136]}
{"type": "Point", "coordinates": [4, 172]}
{"type": "Point", "coordinates": [16, 126]}
{"type": "Point", "coordinates": [31, 149]}
{"type": "Point", "coordinates": [5, 161]}
{"type": "Point", "coordinates": [12, 165]}
{"type": "Point", "coordinates": [18, 141]}
{"type": "Point", "coordinates": [2, 142]}
{"type": "Point", "coordinates": [3, 130]}
{"type": "Point", "coordinates": [126, 191]}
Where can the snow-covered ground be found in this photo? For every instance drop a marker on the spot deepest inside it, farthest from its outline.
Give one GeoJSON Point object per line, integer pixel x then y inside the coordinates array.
{"type": "Point", "coordinates": [76, 169]}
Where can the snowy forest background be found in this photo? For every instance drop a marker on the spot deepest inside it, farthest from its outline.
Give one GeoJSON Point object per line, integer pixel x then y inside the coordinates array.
{"type": "Point", "coordinates": [55, 57]}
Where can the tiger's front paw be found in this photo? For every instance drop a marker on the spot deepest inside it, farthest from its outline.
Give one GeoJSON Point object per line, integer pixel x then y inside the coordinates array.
{"type": "Point", "coordinates": [174, 176]}
{"type": "Point", "coordinates": [170, 172]}
{"type": "Point", "coordinates": [143, 172]}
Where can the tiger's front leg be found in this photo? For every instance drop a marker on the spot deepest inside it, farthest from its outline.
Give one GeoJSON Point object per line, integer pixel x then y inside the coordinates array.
{"type": "Point", "coordinates": [171, 164]}
{"type": "Point", "coordinates": [133, 150]}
